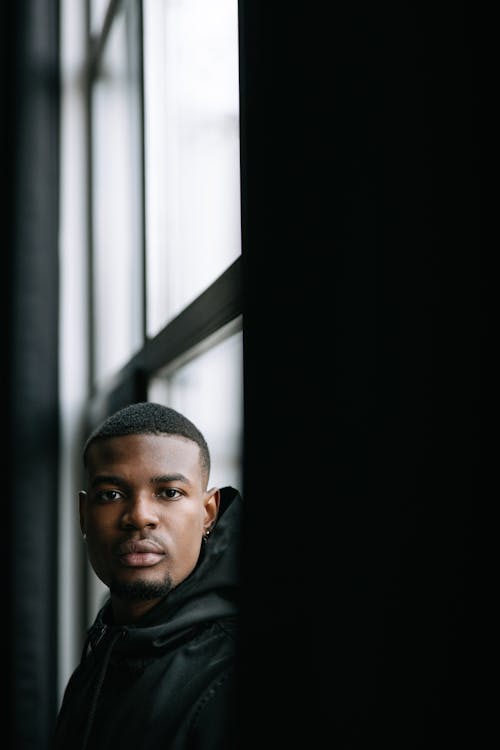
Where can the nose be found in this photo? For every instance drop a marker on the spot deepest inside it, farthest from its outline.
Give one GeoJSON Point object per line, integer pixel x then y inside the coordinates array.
{"type": "Point", "coordinates": [140, 512]}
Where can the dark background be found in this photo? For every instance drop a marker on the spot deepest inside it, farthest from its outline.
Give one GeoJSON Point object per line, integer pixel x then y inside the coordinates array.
{"type": "Point", "coordinates": [366, 339]}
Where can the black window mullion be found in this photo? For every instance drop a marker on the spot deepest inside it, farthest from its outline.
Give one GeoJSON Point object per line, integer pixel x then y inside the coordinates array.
{"type": "Point", "coordinates": [218, 305]}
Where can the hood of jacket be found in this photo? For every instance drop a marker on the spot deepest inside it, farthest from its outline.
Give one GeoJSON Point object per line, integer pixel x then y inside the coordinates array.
{"type": "Point", "coordinates": [209, 593]}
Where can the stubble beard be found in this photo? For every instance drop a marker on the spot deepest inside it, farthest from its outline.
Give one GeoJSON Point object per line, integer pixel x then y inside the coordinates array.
{"type": "Point", "coordinates": [141, 590]}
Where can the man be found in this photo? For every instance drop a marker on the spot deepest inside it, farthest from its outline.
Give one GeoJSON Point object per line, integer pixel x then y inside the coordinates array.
{"type": "Point", "coordinates": [157, 669]}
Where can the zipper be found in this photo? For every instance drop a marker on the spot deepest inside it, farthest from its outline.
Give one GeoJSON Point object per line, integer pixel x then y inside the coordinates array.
{"type": "Point", "coordinates": [102, 632]}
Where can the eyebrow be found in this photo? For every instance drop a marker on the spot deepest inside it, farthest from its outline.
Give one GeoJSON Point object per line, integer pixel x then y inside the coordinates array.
{"type": "Point", "coordinates": [164, 478]}
{"type": "Point", "coordinates": [160, 479]}
{"type": "Point", "coordinates": [102, 478]}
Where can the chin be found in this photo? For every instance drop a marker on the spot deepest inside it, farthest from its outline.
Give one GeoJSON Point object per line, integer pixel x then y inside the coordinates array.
{"type": "Point", "coordinates": [141, 589]}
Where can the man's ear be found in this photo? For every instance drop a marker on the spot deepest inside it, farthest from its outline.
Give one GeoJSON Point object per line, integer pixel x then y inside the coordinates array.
{"type": "Point", "coordinates": [212, 503]}
{"type": "Point", "coordinates": [82, 503]}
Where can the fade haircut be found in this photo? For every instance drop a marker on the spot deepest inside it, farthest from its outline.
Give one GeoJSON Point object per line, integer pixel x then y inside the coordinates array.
{"type": "Point", "coordinates": [149, 418]}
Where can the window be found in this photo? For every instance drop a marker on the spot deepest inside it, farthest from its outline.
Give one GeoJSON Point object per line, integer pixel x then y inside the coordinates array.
{"type": "Point", "coordinates": [191, 150]}
{"type": "Point", "coordinates": [152, 128]}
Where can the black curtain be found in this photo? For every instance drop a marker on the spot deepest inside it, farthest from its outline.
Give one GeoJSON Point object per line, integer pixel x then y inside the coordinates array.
{"type": "Point", "coordinates": [365, 334]}
{"type": "Point", "coordinates": [29, 280]}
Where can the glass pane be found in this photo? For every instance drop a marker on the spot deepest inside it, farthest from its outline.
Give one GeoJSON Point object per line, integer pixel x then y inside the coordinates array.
{"type": "Point", "coordinates": [192, 150]}
{"type": "Point", "coordinates": [209, 390]}
{"type": "Point", "coordinates": [117, 199]}
{"type": "Point", "coordinates": [98, 10]}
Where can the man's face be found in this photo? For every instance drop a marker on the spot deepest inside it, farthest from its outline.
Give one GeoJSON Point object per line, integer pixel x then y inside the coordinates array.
{"type": "Point", "coordinates": [145, 512]}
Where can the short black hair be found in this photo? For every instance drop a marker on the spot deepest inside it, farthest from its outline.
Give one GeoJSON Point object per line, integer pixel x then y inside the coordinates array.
{"type": "Point", "coordinates": [149, 418]}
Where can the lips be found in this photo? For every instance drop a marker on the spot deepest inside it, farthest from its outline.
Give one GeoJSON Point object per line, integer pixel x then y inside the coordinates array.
{"type": "Point", "coordinates": [141, 553]}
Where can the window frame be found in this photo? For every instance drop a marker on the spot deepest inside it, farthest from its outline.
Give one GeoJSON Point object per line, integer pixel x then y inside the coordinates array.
{"type": "Point", "coordinates": [217, 305]}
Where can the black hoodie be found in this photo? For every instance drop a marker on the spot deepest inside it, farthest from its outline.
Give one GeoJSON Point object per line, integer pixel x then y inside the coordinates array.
{"type": "Point", "coordinates": [166, 682]}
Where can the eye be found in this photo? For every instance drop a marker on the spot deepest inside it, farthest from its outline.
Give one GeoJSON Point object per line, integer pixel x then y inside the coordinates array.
{"type": "Point", "coordinates": [168, 493]}
{"type": "Point", "coordinates": [108, 496]}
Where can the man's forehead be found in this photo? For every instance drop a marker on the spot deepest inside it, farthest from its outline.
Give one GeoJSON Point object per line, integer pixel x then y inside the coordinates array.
{"type": "Point", "coordinates": [150, 444]}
